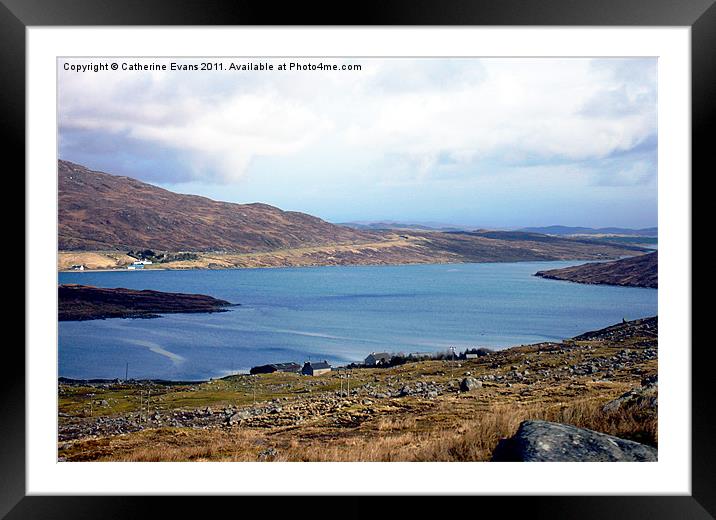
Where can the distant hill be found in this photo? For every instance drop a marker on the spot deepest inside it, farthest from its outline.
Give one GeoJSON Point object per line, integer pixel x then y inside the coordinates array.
{"type": "Point", "coordinates": [638, 271]}
{"type": "Point", "coordinates": [569, 230]}
{"type": "Point", "coordinates": [98, 211]}
{"type": "Point", "coordinates": [103, 216]}
{"type": "Point", "coordinates": [386, 225]}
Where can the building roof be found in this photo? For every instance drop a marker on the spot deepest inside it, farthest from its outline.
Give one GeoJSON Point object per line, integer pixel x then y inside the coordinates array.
{"type": "Point", "coordinates": [319, 365]}
{"type": "Point", "coordinates": [380, 355]}
{"type": "Point", "coordinates": [285, 366]}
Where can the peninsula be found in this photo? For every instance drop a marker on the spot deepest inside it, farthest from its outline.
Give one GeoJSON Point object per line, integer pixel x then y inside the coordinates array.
{"type": "Point", "coordinates": [639, 271]}
{"type": "Point", "coordinates": [82, 302]}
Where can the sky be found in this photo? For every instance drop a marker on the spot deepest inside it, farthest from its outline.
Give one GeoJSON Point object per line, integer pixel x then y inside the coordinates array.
{"type": "Point", "coordinates": [490, 142]}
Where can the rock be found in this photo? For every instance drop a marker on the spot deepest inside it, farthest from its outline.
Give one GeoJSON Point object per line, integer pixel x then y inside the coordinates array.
{"type": "Point", "coordinates": [643, 397]}
{"type": "Point", "coordinates": [542, 441]}
{"type": "Point", "coordinates": [470, 383]}
{"type": "Point", "coordinates": [238, 417]}
{"type": "Point", "coordinates": [268, 453]}
{"type": "Point", "coordinates": [650, 380]}
{"type": "Point", "coordinates": [406, 390]}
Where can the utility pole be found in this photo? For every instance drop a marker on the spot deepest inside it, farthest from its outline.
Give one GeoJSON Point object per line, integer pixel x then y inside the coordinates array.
{"type": "Point", "coordinates": [126, 371]}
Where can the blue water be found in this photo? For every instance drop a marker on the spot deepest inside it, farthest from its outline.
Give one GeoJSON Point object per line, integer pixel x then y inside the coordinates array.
{"type": "Point", "coordinates": [336, 313]}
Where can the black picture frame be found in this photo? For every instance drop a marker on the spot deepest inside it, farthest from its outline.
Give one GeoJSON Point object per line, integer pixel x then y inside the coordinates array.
{"type": "Point", "coordinates": [700, 15]}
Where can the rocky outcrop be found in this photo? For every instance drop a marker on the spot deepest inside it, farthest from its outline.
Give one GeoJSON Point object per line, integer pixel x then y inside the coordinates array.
{"type": "Point", "coordinates": [644, 327]}
{"type": "Point", "coordinates": [645, 396]}
{"type": "Point", "coordinates": [542, 441]}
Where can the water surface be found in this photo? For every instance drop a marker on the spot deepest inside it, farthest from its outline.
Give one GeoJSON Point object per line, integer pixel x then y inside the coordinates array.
{"type": "Point", "coordinates": [336, 313]}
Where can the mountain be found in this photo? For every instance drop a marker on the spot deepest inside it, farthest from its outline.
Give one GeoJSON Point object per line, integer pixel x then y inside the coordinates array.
{"type": "Point", "coordinates": [569, 230]}
{"type": "Point", "coordinates": [638, 271]}
{"type": "Point", "coordinates": [98, 211]}
{"type": "Point", "coordinates": [103, 216]}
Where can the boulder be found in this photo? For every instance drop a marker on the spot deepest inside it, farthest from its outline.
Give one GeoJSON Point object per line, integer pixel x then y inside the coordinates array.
{"type": "Point", "coordinates": [542, 441]}
{"type": "Point", "coordinates": [642, 397]}
{"type": "Point", "coordinates": [238, 417]}
{"type": "Point", "coordinates": [470, 383]}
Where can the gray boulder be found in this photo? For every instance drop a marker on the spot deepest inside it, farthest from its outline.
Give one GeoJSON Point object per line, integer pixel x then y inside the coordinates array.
{"type": "Point", "coordinates": [470, 383]}
{"type": "Point", "coordinates": [238, 417]}
{"type": "Point", "coordinates": [542, 441]}
{"type": "Point", "coordinates": [642, 397]}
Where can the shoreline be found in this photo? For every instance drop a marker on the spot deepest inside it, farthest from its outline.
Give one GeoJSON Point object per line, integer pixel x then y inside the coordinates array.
{"type": "Point", "coordinates": [240, 373]}
{"type": "Point", "coordinates": [445, 410]}
{"type": "Point", "coordinates": [385, 264]}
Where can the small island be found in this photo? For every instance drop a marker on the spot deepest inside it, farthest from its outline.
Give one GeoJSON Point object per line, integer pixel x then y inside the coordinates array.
{"type": "Point", "coordinates": [83, 302]}
{"type": "Point", "coordinates": [639, 271]}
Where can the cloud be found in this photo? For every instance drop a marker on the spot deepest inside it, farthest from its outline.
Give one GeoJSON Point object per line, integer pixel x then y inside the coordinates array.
{"type": "Point", "coordinates": [410, 119]}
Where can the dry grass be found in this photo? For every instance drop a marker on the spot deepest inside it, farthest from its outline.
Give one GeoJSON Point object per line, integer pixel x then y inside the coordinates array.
{"type": "Point", "coordinates": [92, 259]}
{"type": "Point", "coordinates": [475, 440]}
{"type": "Point", "coordinates": [388, 439]}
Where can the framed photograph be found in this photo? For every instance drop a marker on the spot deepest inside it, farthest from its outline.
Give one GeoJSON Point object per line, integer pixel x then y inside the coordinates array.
{"type": "Point", "coordinates": [403, 253]}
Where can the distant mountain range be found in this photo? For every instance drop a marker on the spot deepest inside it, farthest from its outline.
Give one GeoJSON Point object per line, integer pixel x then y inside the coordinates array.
{"type": "Point", "coordinates": [569, 230]}
{"type": "Point", "coordinates": [390, 224]}
{"type": "Point", "coordinates": [546, 230]}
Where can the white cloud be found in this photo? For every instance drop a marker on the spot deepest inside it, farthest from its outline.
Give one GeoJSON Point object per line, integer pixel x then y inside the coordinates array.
{"type": "Point", "coordinates": [420, 110]}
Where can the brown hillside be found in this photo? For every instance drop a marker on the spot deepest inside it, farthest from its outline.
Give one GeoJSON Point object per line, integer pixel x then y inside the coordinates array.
{"type": "Point", "coordinates": [98, 211]}
{"type": "Point", "coordinates": [105, 214]}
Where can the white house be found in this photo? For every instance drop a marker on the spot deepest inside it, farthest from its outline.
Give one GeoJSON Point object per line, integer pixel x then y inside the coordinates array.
{"type": "Point", "coordinates": [315, 369]}
{"type": "Point", "coordinates": [377, 358]}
